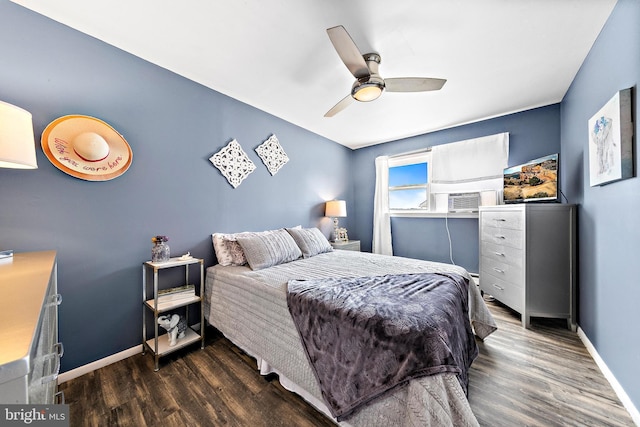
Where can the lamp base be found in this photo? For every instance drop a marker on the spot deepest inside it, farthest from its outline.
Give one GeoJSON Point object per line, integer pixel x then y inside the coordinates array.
{"type": "Point", "coordinates": [339, 234]}
{"type": "Point", "coordinates": [336, 233]}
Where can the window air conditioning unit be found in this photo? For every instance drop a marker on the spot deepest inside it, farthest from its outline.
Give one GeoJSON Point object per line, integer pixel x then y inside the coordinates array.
{"type": "Point", "coordinates": [464, 202]}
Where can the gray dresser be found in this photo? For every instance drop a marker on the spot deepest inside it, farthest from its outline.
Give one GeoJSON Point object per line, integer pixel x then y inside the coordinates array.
{"type": "Point", "coordinates": [528, 259]}
{"type": "Point", "coordinates": [29, 349]}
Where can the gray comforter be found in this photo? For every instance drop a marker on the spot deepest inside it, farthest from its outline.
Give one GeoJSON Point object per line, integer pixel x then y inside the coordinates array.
{"type": "Point", "coordinates": [250, 308]}
{"type": "Point", "coordinates": [366, 335]}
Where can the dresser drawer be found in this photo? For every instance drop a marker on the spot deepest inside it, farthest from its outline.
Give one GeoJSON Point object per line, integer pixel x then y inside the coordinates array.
{"type": "Point", "coordinates": [511, 274]}
{"type": "Point", "coordinates": [503, 219]}
{"type": "Point", "coordinates": [502, 253]}
{"type": "Point", "coordinates": [504, 292]}
{"type": "Point", "coordinates": [503, 237]}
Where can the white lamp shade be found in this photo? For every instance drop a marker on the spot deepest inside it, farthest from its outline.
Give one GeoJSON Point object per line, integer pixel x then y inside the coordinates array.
{"type": "Point", "coordinates": [336, 208]}
{"type": "Point", "coordinates": [17, 145]}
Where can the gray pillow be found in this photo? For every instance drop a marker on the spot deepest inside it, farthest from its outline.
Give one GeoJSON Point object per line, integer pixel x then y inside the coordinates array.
{"type": "Point", "coordinates": [270, 249]}
{"type": "Point", "coordinates": [311, 241]}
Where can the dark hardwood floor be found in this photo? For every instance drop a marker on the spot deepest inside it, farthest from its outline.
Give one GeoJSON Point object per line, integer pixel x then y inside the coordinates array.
{"type": "Point", "coordinates": [538, 377]}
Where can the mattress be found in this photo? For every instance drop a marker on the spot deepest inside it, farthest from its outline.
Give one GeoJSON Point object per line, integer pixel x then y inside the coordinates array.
{"type": "Point", "coordinates": [250, 309]}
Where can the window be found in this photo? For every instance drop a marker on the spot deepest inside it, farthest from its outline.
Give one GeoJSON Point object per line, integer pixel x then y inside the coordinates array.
{"type": "Point", "coordinates": [409, 183]}
{"type": "Point", "coordinates": [420, 182]}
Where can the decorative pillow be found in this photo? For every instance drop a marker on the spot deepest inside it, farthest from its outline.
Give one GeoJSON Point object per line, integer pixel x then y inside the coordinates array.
{"type": "Point", "coordinates": [228, 250]}
{"type": "Point", "coordinates": [266, 250]}
{"type": "Point", "coordinates": [311, 241]}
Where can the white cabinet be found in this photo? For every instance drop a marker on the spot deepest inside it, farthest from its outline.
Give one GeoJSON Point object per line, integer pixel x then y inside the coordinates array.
{"type": "Point", "coordinates": [29, 349]}
{"type": "Point", "coordinates": [528, 259]}
{"type": "Point", "coordinates": [159, 345]}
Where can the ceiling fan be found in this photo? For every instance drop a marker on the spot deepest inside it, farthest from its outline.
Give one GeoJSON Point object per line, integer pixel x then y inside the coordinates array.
{"type": "Point", "coordinates": [369, 85]}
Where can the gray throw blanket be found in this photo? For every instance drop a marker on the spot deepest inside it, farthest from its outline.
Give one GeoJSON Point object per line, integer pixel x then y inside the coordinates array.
{"type": "Point", "coordinates": [366, 335]}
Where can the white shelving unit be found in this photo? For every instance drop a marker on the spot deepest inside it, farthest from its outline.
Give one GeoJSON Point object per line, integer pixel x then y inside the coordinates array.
{"type": "Point", "coordinates": [158, 344]}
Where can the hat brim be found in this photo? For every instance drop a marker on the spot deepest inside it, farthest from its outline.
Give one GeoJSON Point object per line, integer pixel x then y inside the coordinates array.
{"type": "Point", "coordinates": [57, 146]}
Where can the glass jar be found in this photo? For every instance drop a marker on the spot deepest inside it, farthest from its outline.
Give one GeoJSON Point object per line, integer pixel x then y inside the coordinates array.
{"type": "Point", "coordinates": [160, 252]}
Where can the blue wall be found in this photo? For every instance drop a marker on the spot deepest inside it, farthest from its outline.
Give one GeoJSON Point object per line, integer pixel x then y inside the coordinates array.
{"type": "Point", "coordinates": [609, 292]}
{"type": "Point", "coordinates": [102, 230]}
{"type": "Point", "coordinates": [532, 134]}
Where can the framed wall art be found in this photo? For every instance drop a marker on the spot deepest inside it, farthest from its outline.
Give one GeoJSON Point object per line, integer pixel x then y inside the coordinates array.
{"type": "Point", "coordinates": [233, 163]}
{"type": "Point", "coordinates": [611, 141]}
{"type": "Point", "coordinates": [272, 154]}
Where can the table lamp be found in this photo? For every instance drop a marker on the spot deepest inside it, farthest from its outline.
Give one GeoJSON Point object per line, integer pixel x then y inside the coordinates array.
{"type": "Point", "coordinates": [17, 144]}
{"type": "Point", "coordinates": [335, 209]}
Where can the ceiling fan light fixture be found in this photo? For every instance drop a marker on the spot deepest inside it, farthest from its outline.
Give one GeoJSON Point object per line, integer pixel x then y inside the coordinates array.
{"type": "Point", "coordinates": [369, 85]}
{"type": "Point", "coordinates": [367, 91]}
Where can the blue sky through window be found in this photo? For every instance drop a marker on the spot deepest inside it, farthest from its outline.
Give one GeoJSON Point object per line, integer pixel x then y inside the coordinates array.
{"type": "Point", "coordinates": [410, 198]}
{"type": "Point", "coordinates": [408, 175]}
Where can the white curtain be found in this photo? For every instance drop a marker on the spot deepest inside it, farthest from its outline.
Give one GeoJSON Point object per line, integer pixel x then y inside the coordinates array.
{"type": "Point", "coordinates": [471, 165]}
{"type": "Point", "coordinates": [381, 243]}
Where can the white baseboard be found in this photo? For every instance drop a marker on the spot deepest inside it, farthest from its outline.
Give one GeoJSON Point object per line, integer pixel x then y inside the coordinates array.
{"type": "Point", "coordinates": [90, 367]}
{"type": "Point", "coordinates": [622, 395]}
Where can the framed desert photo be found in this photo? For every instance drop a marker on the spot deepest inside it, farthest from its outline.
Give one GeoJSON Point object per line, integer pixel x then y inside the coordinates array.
{"type": "Point", "coordinates": [611, 141]}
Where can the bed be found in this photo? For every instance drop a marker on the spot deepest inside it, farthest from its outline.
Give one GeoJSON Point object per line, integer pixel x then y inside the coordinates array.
{"type": "Point", "coordinates": [248, 304]}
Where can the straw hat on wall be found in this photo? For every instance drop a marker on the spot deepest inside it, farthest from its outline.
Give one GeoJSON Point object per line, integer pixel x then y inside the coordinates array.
{"type": "Point", "coordinates": [86, 148]}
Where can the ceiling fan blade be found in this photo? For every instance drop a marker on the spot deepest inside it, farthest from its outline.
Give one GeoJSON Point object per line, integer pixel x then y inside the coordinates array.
{"type": "Point", "coordinates": [413, 84]}
{"type": "Point", "coordinates": [348, 51]}
{"type": "Point", "coordinates": [344, 103]}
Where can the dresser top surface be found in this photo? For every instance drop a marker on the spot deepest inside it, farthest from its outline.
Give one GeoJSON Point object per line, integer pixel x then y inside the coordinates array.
{"type": "Point", "coordinates": [24, 279]}
{"type": "Point", "coordinates": [529, 206]}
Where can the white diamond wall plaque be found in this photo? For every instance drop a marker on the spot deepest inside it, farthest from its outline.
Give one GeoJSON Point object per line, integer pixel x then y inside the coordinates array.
{"type": "Point", "coordinates": [272, 154]}
{"type": "Point", "coordinates": [233, 163]}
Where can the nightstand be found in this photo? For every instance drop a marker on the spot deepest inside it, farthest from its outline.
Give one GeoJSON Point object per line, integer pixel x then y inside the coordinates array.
{"type": "Point", "coordinates": [162, 301]}
{"type": "Point", "coordinates": [349, 245]}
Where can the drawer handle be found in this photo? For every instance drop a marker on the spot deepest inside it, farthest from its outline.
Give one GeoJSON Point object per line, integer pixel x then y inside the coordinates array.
{"type": "Point", "coordinates": [501, 237]}
{"type": "Point", "coordinates": [499, 254]}
{"type": "Point", "coordinates": [58, 352]}
{"type": "Point", "coordinates": [498, 287]}
{"type": "Point", "coordinates": [500, 219]}
{"type": "Point", "coordinates": [498, 270]}
{"type": "Point", "coordinates": [55, 372]}
{"type": "Point", "coordinates": [56, 299]}
{"type": "Point", "coordinates": [59, 349]}
{"type": "Point", "coordinates": [49, 378]}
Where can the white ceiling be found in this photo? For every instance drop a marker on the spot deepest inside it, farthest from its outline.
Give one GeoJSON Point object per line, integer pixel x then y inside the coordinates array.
{"type": "Point", "coordinates": [498, 56]}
